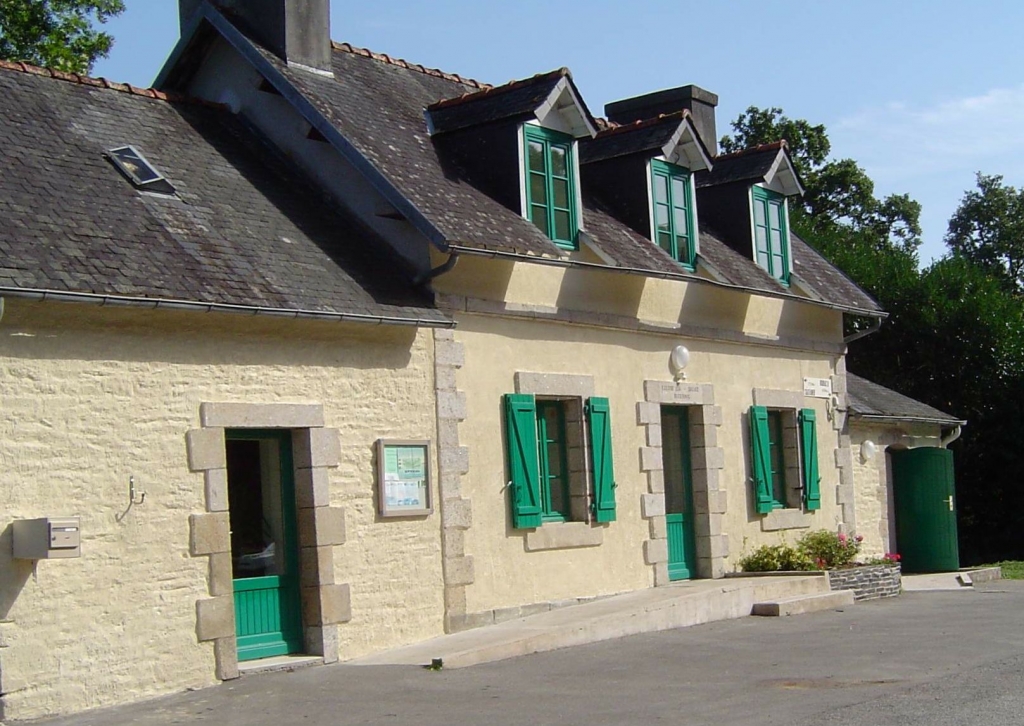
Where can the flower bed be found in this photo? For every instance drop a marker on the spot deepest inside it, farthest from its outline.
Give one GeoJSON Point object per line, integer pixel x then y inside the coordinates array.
{"type": "Point", "coordinates": [868, 582]}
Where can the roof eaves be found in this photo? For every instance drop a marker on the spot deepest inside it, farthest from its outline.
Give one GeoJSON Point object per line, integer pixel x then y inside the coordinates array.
{"type": "Point", "coordinates": [313, 116]}
{"type": "Point", "coordinates": [907, 419]}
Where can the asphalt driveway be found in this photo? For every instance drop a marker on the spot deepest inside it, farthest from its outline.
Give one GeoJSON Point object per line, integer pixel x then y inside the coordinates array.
{"type": "Point", "coordinates": [936, 658]}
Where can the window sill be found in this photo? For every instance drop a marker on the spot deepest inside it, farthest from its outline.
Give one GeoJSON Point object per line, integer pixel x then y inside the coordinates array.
{"type": "Point", "coordinates": [786, 519]}
{"type": "Point", "coordinates": [563, 536]}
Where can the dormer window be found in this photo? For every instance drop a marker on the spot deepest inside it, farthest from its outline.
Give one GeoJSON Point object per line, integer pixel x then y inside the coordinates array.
{"type": "Point", "coordinates": [771, 233]}
{"type": "Point", "coordinates": [674, 224]}
{"type": "Point", "coordinates": [551, 184]}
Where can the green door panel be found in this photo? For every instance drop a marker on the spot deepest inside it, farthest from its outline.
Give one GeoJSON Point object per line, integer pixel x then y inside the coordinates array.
{"type": "Point", "coordinates": [923, 486]}
{"type": "Point", "coordinates": [264, 543]}
{"type": "Point", "coordinates": [679, 524]}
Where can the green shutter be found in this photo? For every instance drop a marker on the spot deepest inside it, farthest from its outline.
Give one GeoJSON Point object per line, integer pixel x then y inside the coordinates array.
{"type": "Point", "coordinates": [524, 474]}
{"type": "Point", "coordinates": [809, 451]}
{"type": "Point", "coordinates": [761, 459]}
{"type": "Point", "coordinates": [599, 420]}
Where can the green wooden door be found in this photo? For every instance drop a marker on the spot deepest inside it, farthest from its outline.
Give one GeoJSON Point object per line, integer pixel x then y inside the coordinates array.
{"type": "Point", "coordinates": [675, 433]}
{"type": "Point", "coordinates": [264, 551]}
{"type": "Point", "coordinates": [926, 535]}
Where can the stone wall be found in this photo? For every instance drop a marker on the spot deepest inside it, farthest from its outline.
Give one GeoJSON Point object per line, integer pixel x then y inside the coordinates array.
{"type": "Point", "coordinates": [870, 582]}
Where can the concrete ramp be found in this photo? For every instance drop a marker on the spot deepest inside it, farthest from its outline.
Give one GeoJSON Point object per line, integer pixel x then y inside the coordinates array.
{"type": "Point", "coordinates": [644, 611]}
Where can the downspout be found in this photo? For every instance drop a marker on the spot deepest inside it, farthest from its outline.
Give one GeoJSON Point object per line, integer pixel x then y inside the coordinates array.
{"type": "Point", "coordinates": [953, 436]}
{"type": "Point", "coordinates": [447, 266]}
{"type": "Point", "coordinates": [863, 333]}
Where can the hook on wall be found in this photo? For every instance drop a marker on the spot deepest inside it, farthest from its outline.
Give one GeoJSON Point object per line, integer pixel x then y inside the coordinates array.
{"type": "Point", "coordinates": [131, 493]}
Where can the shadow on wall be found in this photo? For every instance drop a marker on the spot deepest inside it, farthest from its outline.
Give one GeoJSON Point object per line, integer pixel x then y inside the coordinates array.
{"type": "Point", "coordinates": [13, 573]}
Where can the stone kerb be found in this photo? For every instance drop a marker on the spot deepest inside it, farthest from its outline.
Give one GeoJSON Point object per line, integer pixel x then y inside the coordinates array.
{"type": "Point", "coordinates": [707, 458]}
{"type": "Point", "coordinates": [316, 449]}
{"type": "Point", "coordinates": [869, 582]}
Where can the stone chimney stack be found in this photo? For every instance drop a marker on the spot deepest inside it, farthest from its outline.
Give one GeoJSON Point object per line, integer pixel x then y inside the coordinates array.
{"type": "Point", "coordinates": [700, 103]}
{"type": "Point", "coordinates": [299, 31]}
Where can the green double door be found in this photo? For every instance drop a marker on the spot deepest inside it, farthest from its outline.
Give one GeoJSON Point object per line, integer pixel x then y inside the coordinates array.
{"type": "Point", "coordinates": [264, 551]}
{"type": "Point", "coordinates": [923, 485]}
{"type": "Point", "coordinates": [679, 516]}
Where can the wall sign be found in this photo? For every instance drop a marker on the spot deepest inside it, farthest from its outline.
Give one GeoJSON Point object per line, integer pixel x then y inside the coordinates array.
{"type": "Point", "coordinates": [403, 478]}
{"type": "Point", "coordinates": [818, 387]}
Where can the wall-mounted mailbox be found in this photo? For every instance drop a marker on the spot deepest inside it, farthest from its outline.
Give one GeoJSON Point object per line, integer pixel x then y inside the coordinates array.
{"type": "Point", "coordinates": [48, 538]}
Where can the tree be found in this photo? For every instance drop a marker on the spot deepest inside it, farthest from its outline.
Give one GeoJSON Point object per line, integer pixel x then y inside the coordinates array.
{"type": "Point", "coordinates": [58, 34]}
{"type": "Point", "coordinates": [988, 228]}
{"type": "Point", "coordinates": [840, 195]}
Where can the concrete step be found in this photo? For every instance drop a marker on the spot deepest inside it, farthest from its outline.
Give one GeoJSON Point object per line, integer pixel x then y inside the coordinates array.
{"type": "Point", "coordinates": [804, 604]}
{"type": "Point", "coordinates": [644, 611]}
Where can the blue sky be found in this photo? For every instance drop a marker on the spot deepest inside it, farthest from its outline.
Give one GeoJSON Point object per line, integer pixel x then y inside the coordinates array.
{"type": "Point", "coordinates": [922, 93]}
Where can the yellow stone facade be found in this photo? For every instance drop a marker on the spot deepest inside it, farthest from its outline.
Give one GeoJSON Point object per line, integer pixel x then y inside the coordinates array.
{"type": "Point", "coordinates": [95, 396]}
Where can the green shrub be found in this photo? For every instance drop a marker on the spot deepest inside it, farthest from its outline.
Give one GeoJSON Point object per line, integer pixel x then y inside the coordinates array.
{"type": "Point", "coordinates": [772, 558]}
{"type": "Point", "coordinates": [827, 550]}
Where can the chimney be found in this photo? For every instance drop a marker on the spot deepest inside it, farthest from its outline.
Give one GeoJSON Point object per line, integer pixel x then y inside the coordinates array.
{"type": "Point", "coordinates": [700, 103]}
{"type": "Point", "coordinates": [299, 31]}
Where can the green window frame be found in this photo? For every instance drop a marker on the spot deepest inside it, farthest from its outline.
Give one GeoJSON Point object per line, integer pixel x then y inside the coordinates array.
{"type": "Point", "coordinates": [771, 234]}
{"type": "Point", "coordinates": [550, 172]}
{"type": "Point", "coordinates": [552, 461]}
{"type": "Point", "coordinates": [673, 222]}
{"type": "Point", "coordinates": [768, 457]}
{"type": "Point", "coordinates": [537, 444]}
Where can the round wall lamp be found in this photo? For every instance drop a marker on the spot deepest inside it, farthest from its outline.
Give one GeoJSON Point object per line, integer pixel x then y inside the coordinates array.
{"type": "Point", "coordinates": [868, 451]}
{"type": "Point", "coordinates": [678, 361]}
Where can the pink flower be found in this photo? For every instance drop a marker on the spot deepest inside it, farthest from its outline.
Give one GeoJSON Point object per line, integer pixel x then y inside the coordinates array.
{"type": "Point", "coordinates": [842, 537]}
{"type": "Point", "coordinates": [860, 538]}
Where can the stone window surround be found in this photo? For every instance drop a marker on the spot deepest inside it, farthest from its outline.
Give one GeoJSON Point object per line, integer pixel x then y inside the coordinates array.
{"type": "Point", "coordinates": [581, 531]}
{"type": "Point", "coordinates": [790, 517]}
{"type": "Point", "coordinates": [707, 462]}
{"type": "Point", "coordinates": [325, 604]}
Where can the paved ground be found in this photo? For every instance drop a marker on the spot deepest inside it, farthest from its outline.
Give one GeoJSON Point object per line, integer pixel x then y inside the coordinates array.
{"type": "Point", "coordinates": [941, 658]}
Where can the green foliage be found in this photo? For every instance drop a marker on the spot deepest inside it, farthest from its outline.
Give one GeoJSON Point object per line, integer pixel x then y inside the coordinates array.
{"type": "Point", "coordinates": [828, 550]}
{"type": "Point", "coordinates": [58, 34]}
{"type": "Point", "coordinates": [988, 228]}
{"type": "Point", "coordinates": [775, 558]}
{"type": "Point", "coordinates": [1012, 569]}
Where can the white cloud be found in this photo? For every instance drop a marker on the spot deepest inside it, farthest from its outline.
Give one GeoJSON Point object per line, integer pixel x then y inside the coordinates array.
{"type": "Point", "coordinates": [933, 152]}
{"type": "Point", "coordinates": [899, 140]}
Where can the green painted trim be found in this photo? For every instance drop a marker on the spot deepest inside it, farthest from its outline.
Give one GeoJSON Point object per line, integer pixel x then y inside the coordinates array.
{"type": "Point", "coordinates": [551, 139]}
{"type": "Point", "coordinates": [760, 459]}
{"type": "Point", "coordinates": [558, 437]}
{"type": "Point", "coordinates": [682, 248]}
{"type": "Point", "coordinates": [777, 261]}
{"type": "Point", "coordinates": [598, 413]}
{"type": "Point", "coordinates": [288, 639]}
{"type": "Point", "coordinates": [521, 450]}
{"type": "Point", "coordinates": [809, 451]}
{"type": "Point", "coordinates": [686, 568]}
{"type": "Point", "coordinates": [776, 452]}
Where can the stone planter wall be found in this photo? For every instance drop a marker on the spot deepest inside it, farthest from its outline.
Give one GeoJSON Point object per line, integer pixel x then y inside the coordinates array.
{"type": "Point", "coordinates": [869, 582]}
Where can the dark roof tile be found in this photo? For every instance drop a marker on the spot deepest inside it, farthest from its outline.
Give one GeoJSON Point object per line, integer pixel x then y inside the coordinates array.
{"type": "Point", "coordinates": [243, 229]}
{"type": "Point", "coordinates": [867, 398]}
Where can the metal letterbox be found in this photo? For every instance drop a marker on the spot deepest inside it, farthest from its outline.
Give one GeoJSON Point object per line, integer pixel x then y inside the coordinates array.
{"type": "Point", "coordinates": [47, 538]}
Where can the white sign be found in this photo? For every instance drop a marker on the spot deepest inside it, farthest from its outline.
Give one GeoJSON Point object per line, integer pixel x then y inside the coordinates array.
{"type": "Point", "coordinates": [818, 387]}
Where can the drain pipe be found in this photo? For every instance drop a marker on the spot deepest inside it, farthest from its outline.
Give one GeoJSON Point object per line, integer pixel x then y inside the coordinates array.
{"type": "Point", "coordinates": [863, 333]}
{"type": "Point", "coordinates": [447, 266]}
{"type": "Point", "coordinates": [945, 441]}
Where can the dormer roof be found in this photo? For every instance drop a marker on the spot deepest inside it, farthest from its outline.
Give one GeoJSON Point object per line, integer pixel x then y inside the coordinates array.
{"type": "Point", "coordinates": [550, 98]}
{"type": "Point", "coordinates": [673, 136]}
{"type": "Point", "coordinates": [372, 113]}
{"type": "Point", "coordinates": [768, 164]}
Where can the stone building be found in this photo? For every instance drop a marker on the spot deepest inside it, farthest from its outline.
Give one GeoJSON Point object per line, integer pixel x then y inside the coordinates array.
{"type": "Point", "coordinates": [316, 351]}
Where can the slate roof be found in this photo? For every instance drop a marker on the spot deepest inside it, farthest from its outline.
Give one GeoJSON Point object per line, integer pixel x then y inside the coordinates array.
{"type": "Point", "coordinates": [745, 165]}
{"type": "Point", "coordinates": [517, 99]}
{"type": "Point", "coordinates": [825, 278]}
{"type": "Point", "coordinates": [377, 104]}
{"type": "Point", "coordinates": [870, 399]}
{"type": "Point", "coordinates": [632, 138]}
{"type": "Point", "coordinates": [242, 230]}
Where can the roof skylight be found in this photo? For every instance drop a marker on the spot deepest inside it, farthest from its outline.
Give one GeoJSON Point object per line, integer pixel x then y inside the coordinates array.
{"type": "Point", "coordinates": [139, 171]}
